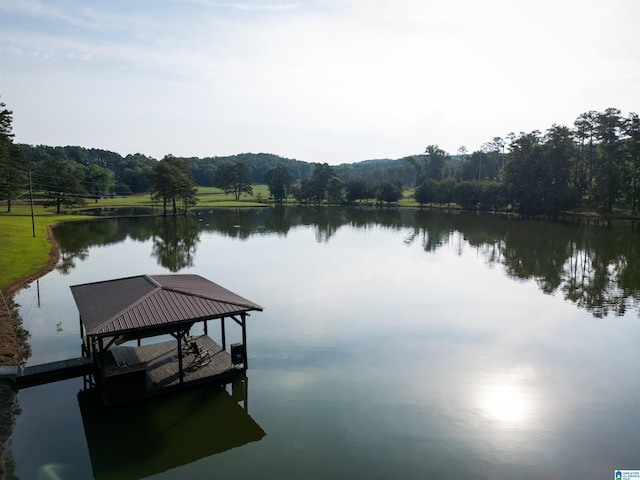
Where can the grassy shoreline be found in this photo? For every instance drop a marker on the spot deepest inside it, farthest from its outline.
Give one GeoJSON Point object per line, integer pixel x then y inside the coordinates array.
{"type": "Point", "coordinates": [24, 257]}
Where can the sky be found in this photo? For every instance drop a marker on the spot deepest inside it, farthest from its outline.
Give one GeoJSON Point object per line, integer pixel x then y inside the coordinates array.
{"type": "Point", "coordinates": [335, 81]}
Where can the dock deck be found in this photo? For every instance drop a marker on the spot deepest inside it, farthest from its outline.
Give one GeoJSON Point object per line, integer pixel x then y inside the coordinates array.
{"type": "Point", "coordinates": [52, 372]}
{"type": "Point", "coordinates": [160, 361]}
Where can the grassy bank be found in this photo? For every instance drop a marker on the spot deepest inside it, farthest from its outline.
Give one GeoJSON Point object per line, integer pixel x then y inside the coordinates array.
{"type": "Point", "coordinates": [207, 197]}
{"type": "Point", "coordinates": [22, 255]}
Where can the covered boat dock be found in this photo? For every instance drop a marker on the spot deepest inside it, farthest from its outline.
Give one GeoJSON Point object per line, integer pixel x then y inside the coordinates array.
{"type": "Point", "coordinates": [115, 314]}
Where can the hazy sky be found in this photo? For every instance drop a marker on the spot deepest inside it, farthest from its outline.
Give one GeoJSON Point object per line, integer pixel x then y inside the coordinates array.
{"type": "Point", "coordinates": [318, 80]}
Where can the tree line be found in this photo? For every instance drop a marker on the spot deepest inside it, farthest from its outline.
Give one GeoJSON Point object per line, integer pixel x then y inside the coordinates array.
{"type": "Point", "coordinates": [594, 164]}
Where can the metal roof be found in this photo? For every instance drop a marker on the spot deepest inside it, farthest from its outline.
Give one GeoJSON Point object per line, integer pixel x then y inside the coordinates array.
{"type": "Point", "coordinates": [150, 301]}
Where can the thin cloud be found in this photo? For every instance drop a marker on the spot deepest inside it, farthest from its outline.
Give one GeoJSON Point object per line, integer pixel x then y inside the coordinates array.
{"type": "Point", "coordinates": [273, 7]}
{"type": "Point", "coordinates": [333, 81]}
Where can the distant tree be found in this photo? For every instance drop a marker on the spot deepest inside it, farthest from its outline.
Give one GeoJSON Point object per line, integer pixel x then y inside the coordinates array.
{"type": "Point", "coordinates": [389, 192]}
{"type": "Point", "coordinates": [162, 184]}
{"type": "Point", "coordinates": [6, 123]}
{"type": "Point", "coordinates": [477, 166]}
{"type": "Point", "coordinates": [376, 171]}
{"type": "Point", "coordinates": [444, 192]}
{"type": "Point", "coordinates": [172, 183]}
{"type": "Point", "coordinates": [187, 191]}
{"type": "Point", "coordinates": [538, 175]}
{"type": "Point", "coordinates": [429, 165]}
{"type": "Point", "coordinates": [258, 163]}
{"type": "Point", "coordinates": [498, 145]}
{"type": "Point", "coordinates": [359, 189]}
{"type": "Point", "coordinates": [609, 170]}
{"type": "Point", "coordinates": [279, 181]}
{"type": "Point", "coordinates": [131, 173]}
{"type": "Point", "coordinates": [100, 181]}
{"type": "Point", "coordinates": [436, 160]}
{"type": "Point", "coordinates": [303, 191]}
{"type": "Point", "coordinates": [585, 134]}
{"type": "Point", "coordinates": [123, 189]}
{"type": "Point", "coordinates": [491, 160]}
{"type": "Point", "coordinates": [335, 190]}
{"type": "Point", "coordinates": [489, 195]}
{"type": "Point", "coordinates": [632, 151]}
{"type": "Point", "coordinates": [61, 179]}
{"type": "Point", "coordinates": [134, 180]}
{"type": "Point", "coordinates": [426, 192]}
{"type": "Point", "coordinates": [203, 171]}
{"type": "Point", "coordinates": [233, 178]}
{"type": "Point", "coordinates": [558, 191]}
{"type": "Point", "coordinates": [320, 177]}
{"type": "Point", "coordinates": [521, 175]}
{"type": "Point", "coordinates": [135, 172]}
{"type": "Point", "coordinates": [421, 173]}
{"type": "Point", "coordinates": [13, 165]}
{"type": "Point", "coordinates": [467, 194]}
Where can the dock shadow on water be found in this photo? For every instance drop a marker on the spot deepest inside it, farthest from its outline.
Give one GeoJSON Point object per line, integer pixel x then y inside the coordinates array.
{"type": "Point", "coordinates": [145, 438]}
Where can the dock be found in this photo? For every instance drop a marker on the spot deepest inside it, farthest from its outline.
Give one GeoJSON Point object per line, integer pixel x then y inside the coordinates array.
{"type": "Point", "coordinates": [47, 372]}
{"type": "Point", "coordinates": [137, 372]}
{"type": "Point", "coordinates": [116, 316]}
{"type": "Point", "coordinates": [158, 366]}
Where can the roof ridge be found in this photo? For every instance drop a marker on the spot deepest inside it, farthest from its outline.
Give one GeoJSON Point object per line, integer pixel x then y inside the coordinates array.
{"type": "Point", "coordinates": [112, 318]}
{"type": "Point", "coordinates": [152, 280]}
{"type": "Point", "coordinates": [115, 280]}
{"type": "Point", "coordinates": [199, 295]}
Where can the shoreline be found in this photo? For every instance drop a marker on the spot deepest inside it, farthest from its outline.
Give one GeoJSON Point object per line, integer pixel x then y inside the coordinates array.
{"type": "Point", "coordinates": [12, 335]}
{"type": "Point", "coordinates": [14, 350]}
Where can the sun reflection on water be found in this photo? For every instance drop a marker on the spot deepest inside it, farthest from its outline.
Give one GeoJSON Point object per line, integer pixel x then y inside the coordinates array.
{"type": "Point", "coordinates": [506, 403]}
{"type": "Point", "coordinates": [506, 397]}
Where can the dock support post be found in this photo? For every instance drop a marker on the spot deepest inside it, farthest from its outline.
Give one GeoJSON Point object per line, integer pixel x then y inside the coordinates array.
{"type": "Point", "coordinates": [180, 336]}
{"type": "Point", "coordinates": [243, 316]}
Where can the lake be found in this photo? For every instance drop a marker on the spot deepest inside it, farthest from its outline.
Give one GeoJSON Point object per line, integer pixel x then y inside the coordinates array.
{"type": "Point", "coordinates": [393, 344]}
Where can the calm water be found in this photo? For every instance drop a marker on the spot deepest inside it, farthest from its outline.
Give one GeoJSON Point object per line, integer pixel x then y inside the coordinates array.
{"type": "Point", "coordinates": [392, 345]}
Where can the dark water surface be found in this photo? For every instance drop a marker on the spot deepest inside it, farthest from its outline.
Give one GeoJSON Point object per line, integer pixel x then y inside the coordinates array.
{"type": "Point", "coordinates": [394, 344]}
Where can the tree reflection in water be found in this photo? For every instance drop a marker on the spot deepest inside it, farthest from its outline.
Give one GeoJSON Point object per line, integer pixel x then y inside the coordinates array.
{"type": "Point", "coordinates": [595, 266]}
{"type": "Point", "coordinates": [175, 241]}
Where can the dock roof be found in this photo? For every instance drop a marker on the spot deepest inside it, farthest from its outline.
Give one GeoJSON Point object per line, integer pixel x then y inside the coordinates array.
{"type": "Point", "coordinates": [153, 301]}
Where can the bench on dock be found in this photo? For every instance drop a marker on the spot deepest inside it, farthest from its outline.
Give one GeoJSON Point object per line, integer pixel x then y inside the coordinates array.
{"type": "Point", "coordinates": [201, 355]}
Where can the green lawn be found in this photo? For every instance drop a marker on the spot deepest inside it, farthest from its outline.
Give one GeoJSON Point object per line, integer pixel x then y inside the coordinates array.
{"type": "Point", "coordinates": [22, 255]}
{"type": "Point", "coordinates": [207, 197]}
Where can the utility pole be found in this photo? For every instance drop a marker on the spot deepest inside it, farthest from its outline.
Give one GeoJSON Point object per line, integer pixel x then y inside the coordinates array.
{"type": "Point", "coordinates": [33, 220]}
